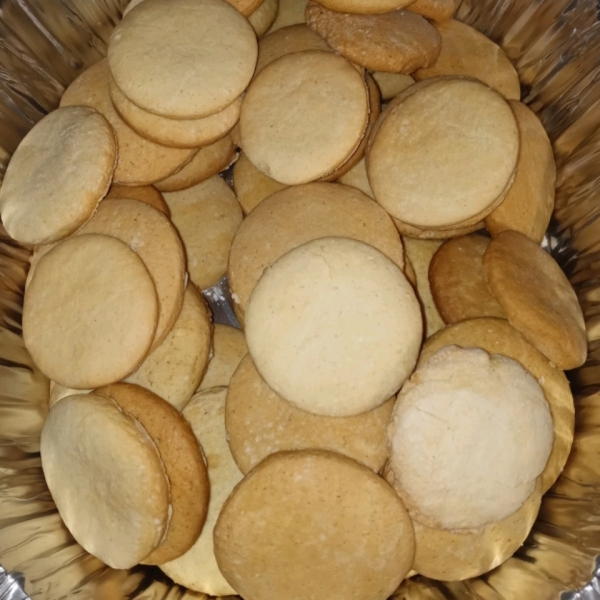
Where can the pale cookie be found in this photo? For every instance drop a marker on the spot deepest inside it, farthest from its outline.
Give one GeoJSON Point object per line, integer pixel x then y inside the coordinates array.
{"type": "Point", "coordinates": [106, 478]}
{"type": "Point", "coordinates": [207, 216]}
{"type": "Point", "coordinates": [251, 185]}
{"type": "Point", "coordinates": [395, 42]}
{"type": "Point", "coordinates": [175, 368]}
{"type": "Point", "coordinates": [457, 282]}
{"type": "Point", "coordinates": [291, 12]}
{"type": "Point", "coordinates": [178, 133]}
{"type": "Point", "coordinates": [297, 146]}
{"type": "Point", "coordinates": [264, 16]}
{"type": "Point", "coordinates": [58, 392]}
{"type": "Point", "coordinates": [529, 203]}
{"type": "Point", "coordinates": [497, 336]}
{"type": "Point", "coordinates": [436, 234]}
{"type": "Point", "coordinates": [434, 10]}
{"type": "Point", "coordinates": [154, 239]}
{"type": "Point", "coordinates": [207, 161]}
{"type": "Point", "coordinates": [459, 142]}
{"type": "Point", "coordinates": [259, 423]}
{"type": "Point", "coordinates": [153, 56]}
{"type": "Point", "coordinates": [537, 297]}
{"type": "Point", "coordinates": [90, 312]}
{"type": "Point", "coordinates": [183, 461]}
{"type": "Point", "coordinates": [364, 7]}
{"type": "Point", "coordinates": [470, 434]}
{"type": "Point", "coordinates": [420, 253]}
{"type": "Point", "coordinates": [36, 206]}
{"type": "Point", "coordinates": [391, 84]}
{"type": "Point", "coordinates": [197, 569]}
{"type": "Point", "coordinates": [306, 522]}
{"type": "Point", "coordinates": [297, 215]}
{"type": "Point", "coordinates": [139, 161]}
{"type": "Point", "coordinates": [229, 347]}
{"type": "Point", "coordinates": [467, 52]}
{"type": "Point", "coordinates": [342, 311]}
{"type": "Point", "coordinates": [144, 193]}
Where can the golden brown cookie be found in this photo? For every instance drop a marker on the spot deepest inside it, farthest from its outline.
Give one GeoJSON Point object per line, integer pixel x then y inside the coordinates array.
{"type": "Point", "coordinates": [537, 297]}
{"type": "Point", "coordinates": [297, 215]}
{"type": "Point", "coordinates": [335, 546]}
{"type": "Point", "coordinates": [90, 312]}
{"type": "Point", "coordinates": [396, 42]}
{"type": "Point", "coordinates": [183, 461]}
{"type": "Point", "coordinates": [529, 203]}
{"type": "Point", "coordinates": [36, 206]}
{"type": "Point", "coordinates": [497, 336]}
{"type": "Point", "coordinates": [144, 193]}
{"type": "Point", "coordinates": [467, 52]}
{"type": "Point", "coordinates": [207, 216]}
{"type": "Point", "coordinates": [391, 84]}
{"type": "Point", "coordinates": [457, 282]}
{"type": "Point", "coordinates": [264, 16]}
{"type": "Point", "coordinates": [434, 10]}
{"type": "Point", "coordinates": [228, 349]}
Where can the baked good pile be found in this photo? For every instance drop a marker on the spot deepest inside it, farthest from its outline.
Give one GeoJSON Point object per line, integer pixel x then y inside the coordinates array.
{"type": "Point", "coordinates": [395, 401]}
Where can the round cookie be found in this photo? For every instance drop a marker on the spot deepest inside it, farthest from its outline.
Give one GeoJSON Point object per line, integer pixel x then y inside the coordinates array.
{"type": "Point", "coordinates": [397, 42]}
{"type": "Point", "coordinates": [152, 236]}
{"type": "Point", "coordinates": [297, 215]}
{"type": "Point", "coordinates": [467, 52]}
{"type": "Point", "coordinates": [470, 434]}
{"type": "Point", "coordinates": [391, 84]}
{"type": "Point", "coordinates": [175, 368]}
{"type": "Point", "coordinates": [364, 7]}
{"type": "Point", "coordinates": [197, 569]}
{"type": "Point", "coordinates": [244, 6]}
{"type": "Point", "coordinates": [178, 133]}
{"type": "Point", "coordinates": [259, 423]}
{"type": "Point", "coordinates": [453, 180]}
{"type": "Point", "coordinates": [207, 216]}
{"type": "Point", "coordinates": [229, 347]}
{"type": "Point", "coordinates": [436, 234]}
{"type": "Point", "coordinates": [291, 12]}
{"type": "Point", "coordinates": [251, 185]}
{"type": "Point", "coordinates": [106, 478]}
{"type": "Point", "coordinates": [139, 160]}
{"type": "Point", "coordinates": [36, 206]}
{"type": "Point", "coordinates": [264, 16]}
{"type": "Point", "coordinates": [457, 281]}
{"type": "Point", "coordinates": [207, 161]}
{"type": "Point", "coordinates": [183, 461]}
{"type": "Point", "coordinates": [297, 146]}
{"type": "Point", "coordinates": [341, 311]}
{"type": "Point", "coordinates": [434, 10]}
{"type": "Point", "coordinates": [529, 203]}
{"type": "Point", "coordinates": [537, 297]}
{"type": "Point", "coordinates": [335, 546]}
{"type": "Point", "coordinates": [90, 312]}
{"type": "Point", "coordinates": [497, 336]}
{"type": "Point", "coordinates": [157, 67]}
{"type": "Point", "coordinates": [144, 193]}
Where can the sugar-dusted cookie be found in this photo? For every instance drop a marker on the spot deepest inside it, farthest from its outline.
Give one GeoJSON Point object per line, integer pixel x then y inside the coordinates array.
{"type": "Point", "coordinates": [467, 52]}
{"type": "Point", "coordinates": [398, 42]}
{"type": "Point", "coordinates": [144, 193]}
{"type": "Point", "coordinates": [183, 461]}
{"type": "Point", "coordinates": [434, 10]}
{"type": "Point", "coordinates": [497, 336]}
{"type": "Point", "coordinates": [207, 216]}
{"type": "Point", "coordinates": [391, 84]}
{"type": "Point", "coordinates": [300, 214]}
{"type": "Point", "coordinates": [259, 422]}
{"type": "Point", "coordinates": [36, 206]}
{"type": "Point", "coordinates": [106, 478]}
{"type": "Point", "coordinates": [457, 281]}
{"type": "Point", "coordinates": [153, 56]}
{"type": "Point", "coordinates": [529, 203]}
{"type": "Point", "coordinates": [90, 312]}
{"type": "Point", "coordinates": [228, 349]}
{"type": "Point", "coordinates": [197, 569]}
{"type": "Point", "coordinates": [306, 522]}
{"type": "Point", "coordinates": [345, 313]}
{"type": "Point", "coordinates": [175, 368]}
{"type": "Point", "coordinates": [537, 297]}
{"type": "Point", "coordinates": [449, 179]}
{"type": "Point", "coordinates": [139, 160]}
{"type": "Point", "coordinates": [294, 145]}
{"type": "Point", "coordinates": [470, 434]}
{"type": "Point", "coordinates": [264, 16]}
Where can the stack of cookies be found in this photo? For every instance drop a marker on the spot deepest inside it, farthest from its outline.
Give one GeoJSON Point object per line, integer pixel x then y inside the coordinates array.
{"type": "Point", "coordinates": [394, 401]}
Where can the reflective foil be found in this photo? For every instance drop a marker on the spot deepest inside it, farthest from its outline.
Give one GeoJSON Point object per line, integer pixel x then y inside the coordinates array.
{"type": "Point", "coordinates": [555, 44]}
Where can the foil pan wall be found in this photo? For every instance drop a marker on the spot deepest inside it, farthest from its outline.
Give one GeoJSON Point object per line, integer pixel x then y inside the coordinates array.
{"type": "Point", "coordinates": [555, 44]}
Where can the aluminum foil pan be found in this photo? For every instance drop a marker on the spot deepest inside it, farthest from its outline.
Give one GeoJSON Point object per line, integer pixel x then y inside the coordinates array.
{"type": "Point", "coordinates": [555, 44]}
